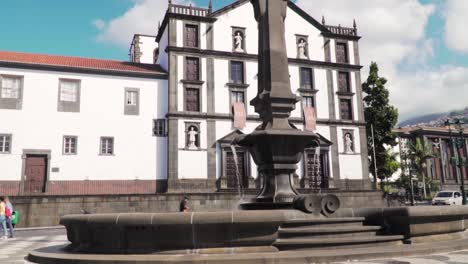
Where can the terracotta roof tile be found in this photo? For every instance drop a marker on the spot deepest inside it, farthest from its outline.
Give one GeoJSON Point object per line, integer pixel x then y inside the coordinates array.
{"type": "Point", "coordinates": [79, 63]}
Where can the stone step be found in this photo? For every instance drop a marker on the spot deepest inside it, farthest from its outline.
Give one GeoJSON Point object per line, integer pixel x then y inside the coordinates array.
{"type": "Point", "coordinates": [326, 231]}
{"type": "Point", "coordinates": [341, 242]}
{"type": "Point", "coordinates": [338, 222]}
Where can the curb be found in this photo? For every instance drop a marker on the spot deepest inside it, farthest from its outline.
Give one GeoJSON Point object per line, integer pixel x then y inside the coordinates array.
{"type": "Point", "coordinates": [38, 228]}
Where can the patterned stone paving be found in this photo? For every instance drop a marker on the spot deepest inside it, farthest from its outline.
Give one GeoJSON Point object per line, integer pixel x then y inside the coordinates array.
{"type": "Point", "coordinates": [458, 257]}
{"type": "Point", "coordinates": [14, 251]}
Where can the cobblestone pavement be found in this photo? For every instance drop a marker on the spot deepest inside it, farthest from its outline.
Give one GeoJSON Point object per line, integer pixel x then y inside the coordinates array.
{"type": "Point", "coordinates": [16, 249]}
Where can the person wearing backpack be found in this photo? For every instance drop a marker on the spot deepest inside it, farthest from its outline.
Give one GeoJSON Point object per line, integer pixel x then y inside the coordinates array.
{"type": "Point", "coordinates": [9, 216]}
{"type": "Point", "coordinates": [3, 218]}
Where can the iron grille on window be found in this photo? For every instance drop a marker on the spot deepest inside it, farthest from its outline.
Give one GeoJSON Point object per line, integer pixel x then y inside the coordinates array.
{"type": "Point", "coordinates": [237, 72]}
{"type": "Point", "coordinates": [192, 99]}
{"type": "Point", "coordinates": [306, 78]}
{"type": "Point", "coordinates": [191, 36]}
{"type": "Point", "coordinates": [341, 53]}
{"type": "Point", "coordinates": [346, 109]}
{"type": "Point", "coordinates": [343, 82]}
{"type": "Point", "coordinates": [159, 128]}
{"type": "Point", "coordinates": [5, 143]}
{"type": "Point", "coordinates": [192, 69]}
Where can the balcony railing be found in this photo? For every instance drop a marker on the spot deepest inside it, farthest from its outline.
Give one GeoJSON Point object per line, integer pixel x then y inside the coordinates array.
{"type": "Point", "coordinates": [339, 30]}
{"type": "Point", "coordinates": [188, 10]}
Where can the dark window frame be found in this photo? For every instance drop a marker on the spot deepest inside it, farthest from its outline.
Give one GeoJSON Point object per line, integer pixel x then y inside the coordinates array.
{"type": "Point", "coordinates": [197, 35]}
{"type": "Point", "coordinates": [351, 108]}
{"type": "Point", "coordinates": [6, 138]}
{"type": "Point", "coordinates": [64, 146]}
{"type": "Point", "coordinates": [243, 72]}
{"type": "Point", "coordinates": [103, 141]}
{"type": "Point", "coordinates": [159, 127]}
{"type": "Point", "coordinates": [346, 51]}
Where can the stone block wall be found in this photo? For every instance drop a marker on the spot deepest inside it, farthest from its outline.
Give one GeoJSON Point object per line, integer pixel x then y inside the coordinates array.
{"type": "Point", "coordinates": [35, 211]}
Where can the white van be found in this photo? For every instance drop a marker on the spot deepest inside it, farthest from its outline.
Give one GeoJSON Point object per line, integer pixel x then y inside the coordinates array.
{"type": "Point", "coordinates": [447, 198]}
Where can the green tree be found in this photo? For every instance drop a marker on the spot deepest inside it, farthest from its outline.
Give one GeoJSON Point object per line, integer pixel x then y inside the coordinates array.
{"type": "Point", "coordinates": [419, 152]}
{"type": "Point", "coordinates": [391, 165]}
{"type": "Point", "coordinates": [381, 118]}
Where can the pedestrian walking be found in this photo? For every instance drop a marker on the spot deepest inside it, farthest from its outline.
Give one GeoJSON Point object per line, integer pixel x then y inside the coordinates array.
{"type": "Point", "coordinates": [183, 207]}
{"type": "Point", "coordinates": [3, 218]}
{"type": "Point", "coordinates": [9, 216]}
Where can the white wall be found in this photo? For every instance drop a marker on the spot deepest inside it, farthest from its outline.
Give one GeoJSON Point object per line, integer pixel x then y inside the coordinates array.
{"type": "Point", "coordinates": [40, 126]}
{"type": "Point", "coordinates": [350, 164]}
{"type": "Point", "coordinates": [147, 46]}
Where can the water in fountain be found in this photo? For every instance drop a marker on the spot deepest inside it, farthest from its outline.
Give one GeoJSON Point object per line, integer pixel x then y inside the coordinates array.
{"type": "Point", "coordinates": [317, 175]}
{"type": "Point", "coordinates": [239, 180]}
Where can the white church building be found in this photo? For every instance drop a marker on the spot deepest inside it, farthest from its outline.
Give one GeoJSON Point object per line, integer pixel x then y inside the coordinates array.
{"type": "Point", "coordinates": [164, 121]}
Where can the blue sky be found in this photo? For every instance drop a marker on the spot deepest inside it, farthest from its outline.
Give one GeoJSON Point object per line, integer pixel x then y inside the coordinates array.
{"type": "Point", "coordinates": [421, 46]}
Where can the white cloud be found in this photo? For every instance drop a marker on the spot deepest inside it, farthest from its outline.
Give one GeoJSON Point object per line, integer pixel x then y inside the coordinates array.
{"type": "Point", "coordinates": [456, 35]}
{"type": "Point", "coordinates": [141, 18]}
{"type": "Point", "coordinates": [393, 35]}
{"type": "Point", "coordinates": [99, 24]}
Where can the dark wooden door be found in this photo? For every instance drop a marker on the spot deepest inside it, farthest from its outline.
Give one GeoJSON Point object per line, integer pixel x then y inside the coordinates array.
{"type": "Point", "coordinates": [35, 174]}
{"type": "Point", "coordinates": [316, 180]}
{"type": "Point", "coordinates": [232, 181]}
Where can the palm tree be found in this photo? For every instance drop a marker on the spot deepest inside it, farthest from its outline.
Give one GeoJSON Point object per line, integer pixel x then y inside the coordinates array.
{"type": "Point", "coordinates": [419, 153]}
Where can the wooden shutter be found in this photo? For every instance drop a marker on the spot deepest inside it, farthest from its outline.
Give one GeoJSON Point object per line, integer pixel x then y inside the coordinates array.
{"type": "Point", "coordinates": [346, 109]}
{"type": "Point", "coordinates": [237, 72]}
{"type": "Point", "coordinates": [343, 82]}
{"type": "Point", "coordinates": [341, 53]}
{"type": "Point", "coordinates": [191, 36]}
{"type": "Point", "coordinates": [231, 175]}
{"type": "Point", "coordinates": [306, 78]}
{"type": "Point", "coordinates": [192, 69]}
{"type": "Point", "coordinates": [192, 99]}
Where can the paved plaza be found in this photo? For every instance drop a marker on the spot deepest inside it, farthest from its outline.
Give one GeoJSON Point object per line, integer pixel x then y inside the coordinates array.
{"type": "Point", "coordinates": [15, 250]}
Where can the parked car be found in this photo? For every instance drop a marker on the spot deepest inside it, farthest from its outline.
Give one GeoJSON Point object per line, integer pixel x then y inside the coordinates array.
{"type": "Point", "coordinates": [447, 198]}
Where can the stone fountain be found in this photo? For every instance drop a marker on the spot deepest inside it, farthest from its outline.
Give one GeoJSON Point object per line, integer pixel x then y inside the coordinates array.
{"type": "Point", "coordinates": [270, 230]}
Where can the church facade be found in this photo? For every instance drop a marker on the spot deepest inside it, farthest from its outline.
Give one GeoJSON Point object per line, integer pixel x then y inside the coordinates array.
{"type": "Point", "coordinates": [164, 121]}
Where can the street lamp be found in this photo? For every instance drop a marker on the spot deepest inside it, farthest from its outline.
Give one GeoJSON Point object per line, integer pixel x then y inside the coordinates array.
{"type": "Point", "coordinates": [459, 144]}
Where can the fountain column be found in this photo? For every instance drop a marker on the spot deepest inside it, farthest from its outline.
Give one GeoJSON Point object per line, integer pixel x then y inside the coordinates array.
{"type": "Point", "coordinates": [276, 145]}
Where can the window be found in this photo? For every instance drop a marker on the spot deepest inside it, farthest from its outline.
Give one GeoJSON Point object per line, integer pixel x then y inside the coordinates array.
{"type": "Point", "coordinates": [5, 143]}
{"type": "Point", "coordinates": [107, 146]}
{"type": "Point", "coordinates": [306, 78]}
{"type": "Point", "coordinates": [10, 87]}
{"type": "Point", "coordinates": [132, 101]}
{"type": "Point", "coordinates": [69, 145]}
{"type": "Point", "coordinates": [192, 99]}
{"type": "Point", "coordinates": [69, 91]}
{"type": "Point", "coordinates": [69, 95]}
{"type": "Point", "coordinates": [192, 72]}
{"type": "Point", "coordinates": [308, 101]}
{"type": "Point", "coordinates": [346, 109]}
{"type": "Point", "coordinates": [191, 36]}
{"type": "Point", "coordinates": [237, 72]}
{"type": "Point", "coordinates": [159, 128]}
{"type": "Point", "coordinates": [237, 97]}
{"type": "Point", "coordinates": [131, 97]}
{"type": "Point", "coordinates": [343, 82]}
{"type": "Point", "coordinates": [341, 53]}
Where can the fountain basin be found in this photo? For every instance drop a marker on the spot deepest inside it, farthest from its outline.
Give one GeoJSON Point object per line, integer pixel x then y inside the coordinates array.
{"type": "Point", "coordinates": [149, 233]}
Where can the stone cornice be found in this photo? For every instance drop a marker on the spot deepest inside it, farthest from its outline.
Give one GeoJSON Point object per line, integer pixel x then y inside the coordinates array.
{"type": "Point", "coordinates": [254, 57]}
{"type": "Point", "coordinates": [224, 117]}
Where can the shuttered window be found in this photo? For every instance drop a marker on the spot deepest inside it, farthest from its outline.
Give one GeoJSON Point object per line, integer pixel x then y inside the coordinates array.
{"type": "Point", "coordinates": [192, 99]}
{"type": "Point", "coordinates": [192, 69]}
{"type": "Point", "coordinates": [191, 36]}
{"type": "Point", "coordinates": [343, 82]}
{"type": "Point", "coordinates": [346, 109]}
{"type": "Point", "coordinates": [341, 53]}
{"type": "Point", "coordinates": [237, 72]}
{"type": "Point", "coordinates": [306, 78]}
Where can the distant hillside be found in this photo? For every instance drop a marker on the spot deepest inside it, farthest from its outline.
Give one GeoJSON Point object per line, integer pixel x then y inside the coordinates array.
{"type": "Point", "coordinates": [422, 119]}
{"type": "Point", "coordinates": [435, 120]}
